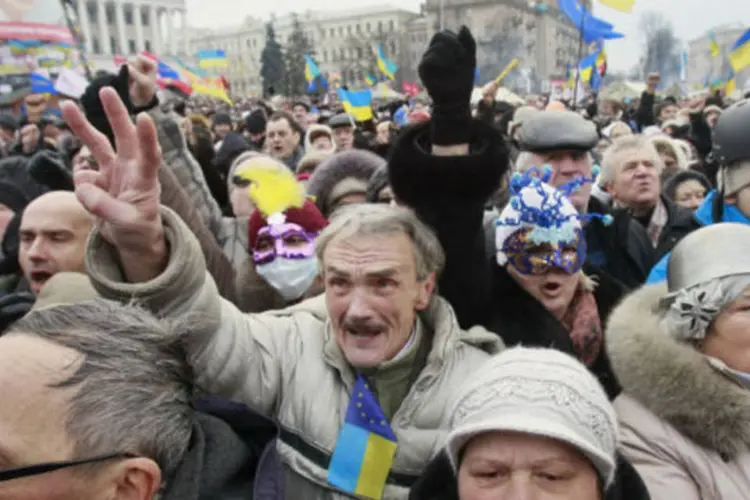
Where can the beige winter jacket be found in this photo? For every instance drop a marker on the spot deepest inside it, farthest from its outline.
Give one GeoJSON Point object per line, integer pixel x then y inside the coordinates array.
{"type": "Point", "coordinates": [685, 426]}
{"type": "Point", "coordinates": [286, 365]}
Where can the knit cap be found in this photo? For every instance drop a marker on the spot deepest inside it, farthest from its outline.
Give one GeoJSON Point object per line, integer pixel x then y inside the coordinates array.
{"type": "Point", "coordinates": [541, 392]}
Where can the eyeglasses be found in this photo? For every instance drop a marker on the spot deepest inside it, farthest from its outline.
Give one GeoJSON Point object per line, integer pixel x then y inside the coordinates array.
{"type": "Point", "coordinates": [34, 470]}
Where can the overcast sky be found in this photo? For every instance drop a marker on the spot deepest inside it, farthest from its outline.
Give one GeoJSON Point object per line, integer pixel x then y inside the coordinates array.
{"type": "Point", "coordinates": [691, 18]}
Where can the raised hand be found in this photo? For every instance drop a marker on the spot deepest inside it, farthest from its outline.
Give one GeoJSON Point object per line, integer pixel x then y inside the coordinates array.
{"type": "Point", "coordinates": [123, 195]}
{"type": "Point", "coordinates": [142, 81]}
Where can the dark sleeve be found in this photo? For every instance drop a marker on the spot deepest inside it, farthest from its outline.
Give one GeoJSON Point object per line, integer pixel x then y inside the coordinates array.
{"type": "Point", "coordinates": [700, 134]}
{"type": "Point", "coordinates": [449, 193]}
{"type": "Point", "coordinates": [437, 482]}
{"type": "Point", "coordinates": [644, 116]}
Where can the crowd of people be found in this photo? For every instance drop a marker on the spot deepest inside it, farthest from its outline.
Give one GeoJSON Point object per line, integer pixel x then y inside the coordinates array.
{"type": "Point", "coordinates": [273, 301]}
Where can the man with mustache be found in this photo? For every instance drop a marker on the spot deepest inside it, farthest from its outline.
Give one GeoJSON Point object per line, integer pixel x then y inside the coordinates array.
{"type": "Point", "coordinates": [377, 354]}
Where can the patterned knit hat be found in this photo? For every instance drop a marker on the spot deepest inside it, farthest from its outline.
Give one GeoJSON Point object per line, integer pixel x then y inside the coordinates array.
{"type": "Point", "coordinates": [541, 392]}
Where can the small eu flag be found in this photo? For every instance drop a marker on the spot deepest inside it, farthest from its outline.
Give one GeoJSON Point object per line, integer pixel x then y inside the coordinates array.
{"type": "Point", "coordinates": [365, 447]}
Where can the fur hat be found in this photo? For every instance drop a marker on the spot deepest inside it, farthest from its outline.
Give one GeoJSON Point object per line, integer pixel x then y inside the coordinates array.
{"type": "Point", "coordinates": [376, 184]}
{"type": "Point", "coordinates": [308, 163]}
{"type": "Point", "coordinates": [313, 132]}
{"type": "Point", "coordinates": [664, 143]}
{"type": "Point", "coordinates": [540, 392]}
{"type": "Point", "coordinates": [342, 174]}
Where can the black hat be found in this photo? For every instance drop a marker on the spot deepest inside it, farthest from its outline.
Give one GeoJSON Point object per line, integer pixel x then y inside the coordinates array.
{"type": "Point", "coordinates": [557, 130]}
{"type": "Point", "coordinates": [340, 120]}
{"type": "Point", "coordinates": [12, 197]}
{"type": "Point", "coordinates": [222, 119]}
{"type": "Point", "coordinates": [255, 122]}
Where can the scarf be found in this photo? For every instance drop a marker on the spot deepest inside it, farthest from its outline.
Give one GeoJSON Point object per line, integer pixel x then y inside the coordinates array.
{"type": "Point", "coordinates": [585, 329]}
{"type": "Point", "coordinates": [657, 222]}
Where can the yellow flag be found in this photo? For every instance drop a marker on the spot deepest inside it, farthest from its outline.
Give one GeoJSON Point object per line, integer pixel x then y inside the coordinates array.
{"type": "Point", "coordinates": [621, 5]}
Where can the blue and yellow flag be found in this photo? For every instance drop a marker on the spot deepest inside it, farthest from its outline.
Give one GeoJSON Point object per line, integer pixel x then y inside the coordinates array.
{"type": "Point", "coordinates": [357, 103]}
{"type": "Point", "coordinates": [739, 54]}
{"type": "Point", "coordinates": [731, 84]}
{"type": "Point", "coordinates": [713, 45]}
{"type": "Point", "coordinates": [370, 80]}
{"type": "Point", "coordinates": [216, 58]}
{"type": "Point", "coordinates": [385, 66]}
{"type": "Point", "coordinates": [621, 5]}
{"type": "Point", "coordinates": [587, 64]}
{"type": "Point", "coordinates": [365, 447]}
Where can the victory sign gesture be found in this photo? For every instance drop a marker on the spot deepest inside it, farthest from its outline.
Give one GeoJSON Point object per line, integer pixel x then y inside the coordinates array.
{"type": "Point", "coordinates": [123, 195]}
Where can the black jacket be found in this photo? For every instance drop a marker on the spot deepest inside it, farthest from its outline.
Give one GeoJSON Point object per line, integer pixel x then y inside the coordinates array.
{"type": "Point", "coordinates": [449, 194]}
{"type": "Point", "coordinates": [232, 456]}
{"type": "Point", "coordinates": [680, 223]}
{"type": "Point", "coordinates": [438, 482]}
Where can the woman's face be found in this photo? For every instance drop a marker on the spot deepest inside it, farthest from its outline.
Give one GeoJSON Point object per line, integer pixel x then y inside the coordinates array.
{"type": "Point", "coordinates": [555, 288]}
{"type": "Point", "coordinates": [728, 338]}
{"type": "Point", "coordinates": [690, 194]}
{"type": "Point", "coordinates": [669, 161]}
{"type": "Point", "coordinates": [511, 466]}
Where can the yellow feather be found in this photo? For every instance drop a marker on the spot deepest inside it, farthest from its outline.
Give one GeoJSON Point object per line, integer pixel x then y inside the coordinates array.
{"type": "Point", "coordinates": [272, 189]}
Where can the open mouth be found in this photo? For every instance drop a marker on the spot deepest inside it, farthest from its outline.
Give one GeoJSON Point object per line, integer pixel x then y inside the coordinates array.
{"type": "Point", "coordinates": [551, 287]}
{"type": "Point", "coordinates": [39, 278]}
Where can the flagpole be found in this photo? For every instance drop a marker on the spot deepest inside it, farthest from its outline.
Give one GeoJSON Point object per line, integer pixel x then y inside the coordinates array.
{"type": "Point", "coordinates": [74, 33]}
{"type": "Point", "coordinates": [580, 56]}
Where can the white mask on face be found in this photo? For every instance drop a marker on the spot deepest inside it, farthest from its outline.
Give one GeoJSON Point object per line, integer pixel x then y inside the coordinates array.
{"type": "Point", "coordinates": [290, 277]}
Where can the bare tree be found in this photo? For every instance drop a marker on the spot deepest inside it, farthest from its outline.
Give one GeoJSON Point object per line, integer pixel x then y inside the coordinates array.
{"type": "Point", "coordinates": [662, 48]}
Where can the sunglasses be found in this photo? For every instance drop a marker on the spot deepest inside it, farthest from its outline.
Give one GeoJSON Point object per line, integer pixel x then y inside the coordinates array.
{"type": "Point", "coordinates": [43, 468]}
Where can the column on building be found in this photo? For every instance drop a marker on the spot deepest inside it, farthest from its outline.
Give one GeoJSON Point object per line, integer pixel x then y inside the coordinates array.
{"type": "Point", "coordinates": [184, 27]}
{"type": "Point", "coordinates": [138, 22]}
{"type": "Point", "coordinates": [101, 19]}
{"type": "Point", "coordinates": [122, 39]}
{"type": "Point", "coordinates": [155, 24]}
{"type": "Point", "coordinates": [84, 24]}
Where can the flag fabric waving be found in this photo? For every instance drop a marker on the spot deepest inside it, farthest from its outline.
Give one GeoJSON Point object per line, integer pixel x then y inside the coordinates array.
{"type": "Point", "coordinates": [739, 54]}
{"type": "Point", "coordinates": [357, 103]}
{"type": "Point", "coordinates": [370, 80]}
{"type": "Point", "coordinates": [713, 45]}
{"type": "Point", "coordinates": [385, 66]}
{"type": "Point", "coordinates": [621, 5]}
{"type": "Point", "coordinates": [365, 448]}
{"type": "Point", "coordinates": [208, 59]}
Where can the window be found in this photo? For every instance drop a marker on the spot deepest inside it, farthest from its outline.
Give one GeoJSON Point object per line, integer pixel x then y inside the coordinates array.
{"type": "Point", "coordinates": [367, 27]}
{"type": "Point", "coordinates": [325, 56]}
{"type": "Point", "coordinates": [147, 45]}
{"type": "Point", "coordinates": [391, 26]}
{"type": "Point", "coordinates": [333, 56]}
{"type": "Point", "coordinates": [393, 48]}
{"type": "Point", "coordinates": [128, 17]}
{"type": "Point", "coordinates": [380, 26]}
{"type": "Point", "coordinates": [349, 30]}
{"type": "Point", "coordinates": [144, 17]}
{"type": "Point", "coordinates": [359, 52]}
{"type": "Point", "coordinates": [247, 43]}
{"type": "Point", "coordinates": [95, 48]}
{"type": "Point", "coordinates": [131, 46]}
{"type": "Point", "coordinates": [112, 45]}
{"type": "Point", "coordinates": [332, 32]}
{"type": "Point", "coordinates": [341, 31]}
{"type": "Point", "coordinates": [343, 55]}
{"type": "Point", "coordinates": [359, 29]}
{"type": "Point", "coordinates": [255, 43]}
{"type": "Point", "coordinates": [110, 15]}
{"type": "Point", "coordinates": [91, 10]}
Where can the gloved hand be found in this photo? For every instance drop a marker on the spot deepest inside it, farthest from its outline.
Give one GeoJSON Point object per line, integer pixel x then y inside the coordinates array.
{"type": "Point", "coordinates": [447, 72]}
{"type": "Point", "coordinates": [49, 169]}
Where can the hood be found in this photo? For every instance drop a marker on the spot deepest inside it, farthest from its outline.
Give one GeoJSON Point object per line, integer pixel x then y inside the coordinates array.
{"type": "Point", "coordinates": [671, 147]}
{"type": "Point", "coordinates": [231, 147]}
{"type": "Point", "coordinates": [228, 444]}
{"type": "Point", "coordinates": [673, 380]}
{"type": "Point", "coordinates": [314, 131]}
{"type": "Point", "coordinates": [704, 213]}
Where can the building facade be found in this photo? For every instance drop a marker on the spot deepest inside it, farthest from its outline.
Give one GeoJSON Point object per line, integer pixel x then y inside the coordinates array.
{"type": "Point", "coordinates": [702, 67]}
{"type": "Point", "coordinates": [129, 27]}
{"type": "Point", "coordinates": [534, 31]}
{"type": "Point", "coordinates": [344, 43]}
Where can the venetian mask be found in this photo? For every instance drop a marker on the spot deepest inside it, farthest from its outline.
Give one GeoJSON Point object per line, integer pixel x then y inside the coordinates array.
{"type": "Point", "coordinates": [529, 257]}
{"type": "Point", "coordinates": [287, 240]}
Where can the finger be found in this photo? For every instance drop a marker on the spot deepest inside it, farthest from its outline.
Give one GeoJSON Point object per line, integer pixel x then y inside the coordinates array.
{"type": "Point", "coordinates": [97, 142]}
{"type": "Point", "coordinates": [145, 65]}
{"type": "Point", "coordinates": [467, 40]}
{"type": "Point", "coordinates": [150, 150]}
{"type": "Point", "coordinates": [81, 177]}
{"type": "Point", "coordinates": [126, 143]}
{"type": "Point", "coordinates": [144, 78]}
{"type": "Point", "coordinates": [101, 204]}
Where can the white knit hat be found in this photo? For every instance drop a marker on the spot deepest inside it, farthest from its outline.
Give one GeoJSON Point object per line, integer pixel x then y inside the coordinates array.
{"type": "Point", "coordinates": [542, 392]}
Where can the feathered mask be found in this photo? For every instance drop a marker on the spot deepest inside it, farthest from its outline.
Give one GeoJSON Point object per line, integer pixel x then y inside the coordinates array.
{"type": "Point", "coordinates": [273, 190]}
{"type": "Point", "coordinates": [542, 218]}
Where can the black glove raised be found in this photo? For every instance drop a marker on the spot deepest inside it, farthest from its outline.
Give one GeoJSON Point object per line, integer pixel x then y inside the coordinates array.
{"type": "Point", "coordinates": [48, 168]}
{"type": "Point", "coordinates": [447, 72]}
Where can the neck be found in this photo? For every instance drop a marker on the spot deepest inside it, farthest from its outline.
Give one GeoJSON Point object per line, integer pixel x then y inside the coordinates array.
{"type": "Point", "coordinates": [642, 209]}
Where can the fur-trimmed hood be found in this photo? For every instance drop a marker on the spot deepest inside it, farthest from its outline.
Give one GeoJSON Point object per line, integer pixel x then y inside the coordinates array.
{"type": "Point", "coordinates": [673, 380]}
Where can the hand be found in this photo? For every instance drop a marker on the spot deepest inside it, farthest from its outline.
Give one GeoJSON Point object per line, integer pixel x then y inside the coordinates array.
{"type": "Point", "coordinates": [123, 195]}
{"type": "Point", "coordinates": [142, 81]}
{"type": "Point", "coordinates": [697, 105]}
{"type": "Point", "coordinates": [653, 79]}
{"type": "Point", "coordinates": [447, 67]}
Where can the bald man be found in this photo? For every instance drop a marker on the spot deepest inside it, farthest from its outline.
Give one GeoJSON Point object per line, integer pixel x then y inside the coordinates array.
{"type": "Point", "coordinates": [53, 234]}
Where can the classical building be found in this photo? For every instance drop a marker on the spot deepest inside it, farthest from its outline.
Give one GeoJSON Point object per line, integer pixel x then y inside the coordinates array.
{"type": "Point", "coordinates": [534, 31]}
{"type": "Point", "coordinates": [702, 66]}
{"type": "Point", "coordinates": [129, 27]}
{"type": "Point", "coordinates": [344, 42]}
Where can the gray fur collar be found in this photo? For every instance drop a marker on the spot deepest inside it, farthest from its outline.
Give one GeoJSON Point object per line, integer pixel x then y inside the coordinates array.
{"type": "Point", "coordinates": [673, 380]}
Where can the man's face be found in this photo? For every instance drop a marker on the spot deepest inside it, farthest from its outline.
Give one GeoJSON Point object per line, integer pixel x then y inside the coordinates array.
{"type": "Point", "coordinates": [33, 419]}
{"type": "Point", "coordinates": [383, 133]}
{"type": "Point", "coordinates": [322, 143]}
{"type": "Point", "coordinates": [344, 138]}
{"type": "Point", "coordinates": [29, 138]}
{"type": "Point", "coordinates": [281, 139]}
{"type": "Point", "coordinates": [53, 235]}
{"type": "Point", "coordinates": [567, 166]}
{"type": "Point", "coordinates": [373, 295]}
{"type": "Point", "coordinates": [222, 129]}
{"type": "Point", "coordinates": [300, 115]}
{"type": "Point", "coordinates": [668, 112]}
{"type": "Point", "coordinates": [636, 184]}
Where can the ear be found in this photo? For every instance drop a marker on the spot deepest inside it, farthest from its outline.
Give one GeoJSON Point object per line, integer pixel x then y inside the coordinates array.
{"type": "Point", "coordinates": [608, 187]}
{"type": "Point", "coordinates": [137, 479]}
{"type": "Point", "coordinates": [425, 291]}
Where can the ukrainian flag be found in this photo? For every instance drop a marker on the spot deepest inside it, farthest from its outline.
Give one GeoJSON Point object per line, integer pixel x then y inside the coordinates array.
{"type": "Point", "coordinates": [365, 447]}
{"type": "Point", "coordinates": [357, 103]}
{"type": "Point", "coordinates": [587, 64]}
{"type": "Point", "coordinates": [385, 66]}
{"type": "Point", "coordinates": [312, 73]}
{"type": "Point", "coordinates": [370, 80]}
{"type": "Point", "coordinates": [208, 59]}
{"type": "Point", "coordinates": [739, 54]}
{"type": "Point", "coordinates": [713, 45]}
{"type": "Point", "coordinates": [731, 84]}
